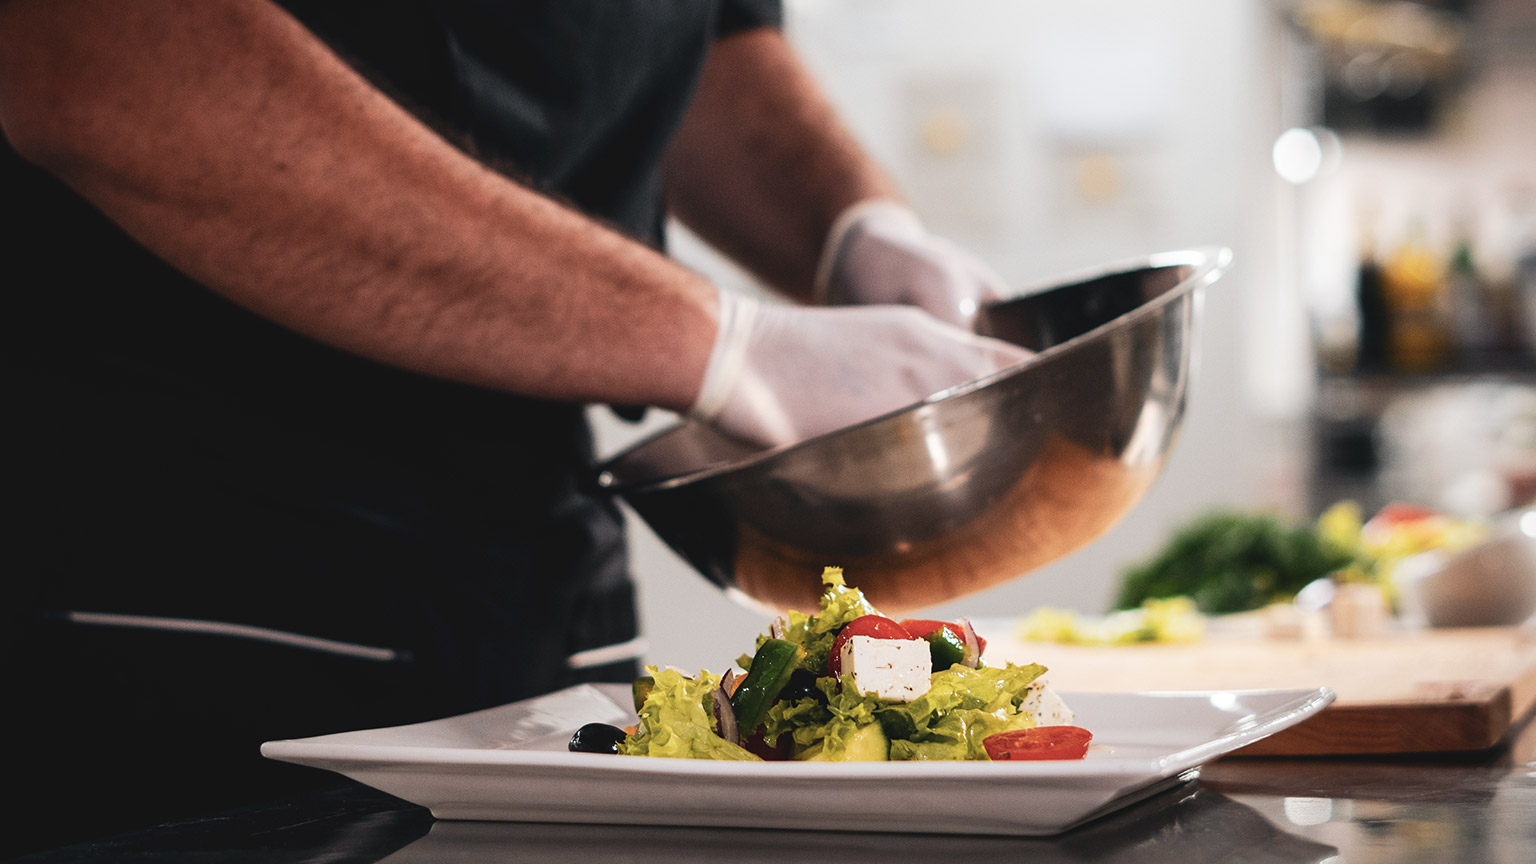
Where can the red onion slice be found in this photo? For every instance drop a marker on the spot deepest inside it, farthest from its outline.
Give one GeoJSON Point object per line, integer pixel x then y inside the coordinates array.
{"type": "Point", "coordinates": [777, 628]}
{"type": "Point", "coordinates": [972, 646]}
{"type": "Point", "coordinates": [725, 717]}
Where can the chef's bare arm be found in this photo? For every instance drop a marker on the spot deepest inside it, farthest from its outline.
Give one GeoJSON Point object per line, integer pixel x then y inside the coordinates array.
{"type": "Point", "coordinates": [762, 165]}
{"type": "Point", "coordinates": [231, 142]}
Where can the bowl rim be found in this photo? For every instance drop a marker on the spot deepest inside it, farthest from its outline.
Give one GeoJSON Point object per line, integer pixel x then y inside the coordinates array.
{"type": "Point", "coordinates": [1209, 263]}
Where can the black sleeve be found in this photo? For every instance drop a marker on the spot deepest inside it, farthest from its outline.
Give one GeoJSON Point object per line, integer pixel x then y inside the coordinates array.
{"type": "Point", "coordinates": [736, 15]}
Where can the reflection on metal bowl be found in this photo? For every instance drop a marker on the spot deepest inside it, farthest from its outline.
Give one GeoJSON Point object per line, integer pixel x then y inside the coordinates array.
{"type": "Point", "coordinates": [971, 487]}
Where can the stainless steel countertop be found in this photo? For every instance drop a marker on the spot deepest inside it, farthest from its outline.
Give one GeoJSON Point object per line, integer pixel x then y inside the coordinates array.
{"type": "Point", "coordinates": [1467, 809]}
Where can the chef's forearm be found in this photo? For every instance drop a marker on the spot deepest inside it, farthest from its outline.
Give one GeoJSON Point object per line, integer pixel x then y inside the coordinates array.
{"type": "Point", "coordinates": [228, 140]}
{"type": "Point", "coordinates": [762, 165]}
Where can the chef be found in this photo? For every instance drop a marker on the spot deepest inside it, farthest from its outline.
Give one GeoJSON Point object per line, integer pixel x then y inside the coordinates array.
{"type": "Point", "coordinates": [305, 303]}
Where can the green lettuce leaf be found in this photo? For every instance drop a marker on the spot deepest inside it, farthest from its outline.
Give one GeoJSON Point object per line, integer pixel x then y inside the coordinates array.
{"type": "Point", "coordinates": [959, 735]}
{"type": "Point", "coordinates": [833, 724]}
{"type": "Point", "coordinates": [961, 708]}
{"type": "Point", "coordinates": [677, 720]}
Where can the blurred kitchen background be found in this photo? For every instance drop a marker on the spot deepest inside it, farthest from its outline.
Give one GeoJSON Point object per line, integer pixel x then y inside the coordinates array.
{"type": "Point", "coordinates": [1372, 165]}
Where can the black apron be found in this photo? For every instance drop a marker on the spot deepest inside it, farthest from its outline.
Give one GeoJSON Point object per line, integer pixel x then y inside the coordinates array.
{"type": "Point", "coordinates": [232, 533]}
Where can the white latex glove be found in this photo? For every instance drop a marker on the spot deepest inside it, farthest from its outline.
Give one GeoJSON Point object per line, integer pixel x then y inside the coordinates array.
{"type": "Point", "coordinates": [879, 252]}
{"type": "Point", "coordinates": [779, 374]}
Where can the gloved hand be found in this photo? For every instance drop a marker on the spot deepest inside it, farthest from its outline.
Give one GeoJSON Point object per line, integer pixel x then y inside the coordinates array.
{"type": "Point", "coordinates": [879, 252]}
{"type": "Point", "coordinates": [779, 374]}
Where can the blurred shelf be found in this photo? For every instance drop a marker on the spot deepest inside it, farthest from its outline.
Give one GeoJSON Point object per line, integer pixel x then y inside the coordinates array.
{"type": "Point", "coordinates": [1348, 456]}
{"type": "Point", "coordinates": [1368, 391]}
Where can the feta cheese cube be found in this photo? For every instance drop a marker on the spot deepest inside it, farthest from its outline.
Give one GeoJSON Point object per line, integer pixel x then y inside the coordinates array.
{"type": "Point", "coordinates": [1046, 706]}
{"type": "Point", "coordinates": [895, 669]}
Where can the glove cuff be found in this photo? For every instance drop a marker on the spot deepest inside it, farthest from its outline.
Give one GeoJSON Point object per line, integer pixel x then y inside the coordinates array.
{"type": "Point", "coordinates": [727, 357]}
{"type": "Point", "coordinates": [886, 210]}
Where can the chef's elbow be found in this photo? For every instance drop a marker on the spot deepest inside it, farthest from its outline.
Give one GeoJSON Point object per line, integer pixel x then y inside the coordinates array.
{"type": "Point", "coordinates": [49, 89]}
{"type": "Point", "coordinates": [43, 126]}
{"type": "Point", "coordinates": [33, 137]}
{"type": "Point", "coordinates": [59, 110]}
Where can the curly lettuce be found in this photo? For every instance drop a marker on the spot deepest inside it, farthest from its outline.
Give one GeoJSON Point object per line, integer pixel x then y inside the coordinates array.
{"type": "Point", "coordinates": [961, 708]}
{"type": "Point", "coordinates": [677, 720]}
{"type": "Point", "coordinates": [832, 722]}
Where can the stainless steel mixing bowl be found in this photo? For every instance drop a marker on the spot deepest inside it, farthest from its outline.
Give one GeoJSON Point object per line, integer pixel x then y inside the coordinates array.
{"type": "Point", "coordinates": [972, 486]}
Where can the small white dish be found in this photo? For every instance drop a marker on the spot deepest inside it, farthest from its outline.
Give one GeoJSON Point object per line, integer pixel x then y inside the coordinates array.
{"type": "Point", "coordinates": [510, 764]}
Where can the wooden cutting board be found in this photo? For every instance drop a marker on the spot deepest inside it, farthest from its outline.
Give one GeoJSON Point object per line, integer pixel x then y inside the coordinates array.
{"type": "Point", "coordinates": [1422, 691]}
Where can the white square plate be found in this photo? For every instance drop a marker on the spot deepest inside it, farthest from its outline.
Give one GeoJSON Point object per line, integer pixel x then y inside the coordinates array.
{"type": "Point", "coordinates": [511, 764]}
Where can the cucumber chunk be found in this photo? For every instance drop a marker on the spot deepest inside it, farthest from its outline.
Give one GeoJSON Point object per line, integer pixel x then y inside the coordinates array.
{"type": "Point", "coordinates": [945, 648]}
{"type": "Point", "coordinates": [867, 744]}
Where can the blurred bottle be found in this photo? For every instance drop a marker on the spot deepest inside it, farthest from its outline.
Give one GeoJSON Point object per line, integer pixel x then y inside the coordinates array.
{"type": "Point", "coordinates": [1371, 302]}
{"type": "Point", "coordinates": [1498, 267]}
{"type": "Point", "coordinates": [1413, 285]}
{"type": "Point", "coordinates": [1473, 324]}
{"type": "Point", "coordinates": [1525, 267]}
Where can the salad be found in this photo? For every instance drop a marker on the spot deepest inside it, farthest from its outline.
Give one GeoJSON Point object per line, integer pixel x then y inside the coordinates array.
{"type": "Point", "coordinates": [849, 684]}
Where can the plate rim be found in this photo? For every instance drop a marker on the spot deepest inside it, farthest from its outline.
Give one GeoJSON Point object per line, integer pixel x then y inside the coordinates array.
{"type": "Point", "coordinates": [340, 756]}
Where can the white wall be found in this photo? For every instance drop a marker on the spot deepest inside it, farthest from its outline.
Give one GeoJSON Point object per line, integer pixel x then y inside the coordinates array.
{"type": "Point", "coordinates": [1050, 137]}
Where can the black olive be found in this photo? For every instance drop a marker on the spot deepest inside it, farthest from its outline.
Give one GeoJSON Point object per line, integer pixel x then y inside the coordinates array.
{"type": "Point", "coordinates": [597, 738]}
{"type": "Point", "coordinates": [801, 685]}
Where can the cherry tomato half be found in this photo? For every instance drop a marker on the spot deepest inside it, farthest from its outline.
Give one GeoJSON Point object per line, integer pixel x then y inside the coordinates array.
{"type": "Point", "coordinates": [921, 627]}
{"type": "Point", "coordinates": [875, 626]}
{"type": "Point", "coordinates": [1041, 742]}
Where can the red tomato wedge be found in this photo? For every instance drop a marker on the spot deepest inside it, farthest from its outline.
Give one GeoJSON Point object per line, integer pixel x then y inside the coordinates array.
{"type": "Point", "coordinates": [1041, 742]}
{"type": "Point", "coordinates": [874, 626]}
{"type": "Point", "coordinates": [921, 627]}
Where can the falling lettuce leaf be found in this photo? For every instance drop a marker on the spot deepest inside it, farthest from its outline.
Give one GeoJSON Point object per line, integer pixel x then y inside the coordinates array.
{"type": "Point", "coordinates": [839, 605]}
